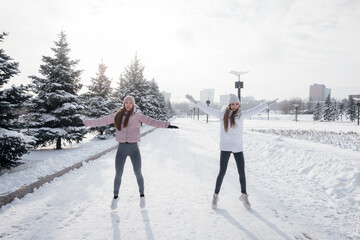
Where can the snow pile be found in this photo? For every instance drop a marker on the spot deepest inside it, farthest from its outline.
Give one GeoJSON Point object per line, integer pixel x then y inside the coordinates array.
{"type": "Point", "coordinates": [348, 140]}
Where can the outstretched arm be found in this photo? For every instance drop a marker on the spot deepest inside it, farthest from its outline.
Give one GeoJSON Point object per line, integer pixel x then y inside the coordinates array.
{"type": "Point", "coordinates": [271, 102]}
{"type": "Point", "coordinates": [100, 121]}
{"type": "Point", "coordinates": [205, 108]}
{"type": "Point", "coordinates": [153, 122]}
{"type": "Point", "coordinates": [190, 98]}
{"type": "Point", "coordinates": [259, 108]}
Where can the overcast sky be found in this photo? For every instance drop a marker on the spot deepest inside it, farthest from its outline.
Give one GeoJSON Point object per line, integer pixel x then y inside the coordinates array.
{"type": "Point", "coordinates": [187, 46]}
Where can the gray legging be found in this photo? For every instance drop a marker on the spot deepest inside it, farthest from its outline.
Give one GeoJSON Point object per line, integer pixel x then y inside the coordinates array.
{"type": "Point", "coordinates": [240, 163]}
{"type": "Point", "coordinates": [124, 150]}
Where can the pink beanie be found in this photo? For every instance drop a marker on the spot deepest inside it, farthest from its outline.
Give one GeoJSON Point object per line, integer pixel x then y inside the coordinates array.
{"type": "Point", "coordinates": [130, 98]}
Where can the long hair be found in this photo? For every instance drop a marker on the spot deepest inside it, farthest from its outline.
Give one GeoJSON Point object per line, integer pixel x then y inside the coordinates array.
{"type": "Point", "coordinates": [232, 118]}
{"type": "Point", "coordinates": [119, 116]}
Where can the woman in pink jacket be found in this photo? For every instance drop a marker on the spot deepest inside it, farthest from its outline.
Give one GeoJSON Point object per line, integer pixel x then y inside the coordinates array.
{"type": "Point", "coordinates": [128, 123]}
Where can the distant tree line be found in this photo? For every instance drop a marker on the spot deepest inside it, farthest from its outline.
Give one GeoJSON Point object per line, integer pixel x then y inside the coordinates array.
{"type": "Point", "coordinates": [329, 110]}
{"type": "Point", "coordinates": [332, 110]}
{"type": "Point", "coordinates": [50, 109]}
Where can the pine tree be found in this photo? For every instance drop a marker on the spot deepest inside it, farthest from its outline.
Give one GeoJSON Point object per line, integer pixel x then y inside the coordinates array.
{"type": "Point", "coordinates": [351, 110]}
{"type": "Point", "coordinates": [54, 114]}
{"type": "Point", "coordinates": [99, 101]}
{"type": "Point", "coordinates": [8, 68]}
{"type": "Point", "coordinates": [327, 114]}
{"type": "Point", "coordinates": [101, 83]}
{"type": "Point", "coordinates": [317, 112]}
{"type": "Point", "coordinates": [132, 81]}
{"type": "Point", "coordinates": [12, 106]}
{"type": "Point", "coordinates": [335, 111]}
{"type": "Point", "coordinates": [341, 110]}
{"type": "Point", "coordinates": [154, 101]}
{"type": "Point", "coordinates": [12, 143]}
{"type": "Point", "coordinates": [148, 98]}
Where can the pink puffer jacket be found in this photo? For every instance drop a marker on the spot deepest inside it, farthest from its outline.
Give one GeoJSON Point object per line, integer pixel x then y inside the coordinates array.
{"type": "Point", "coordinates": [132, 132]}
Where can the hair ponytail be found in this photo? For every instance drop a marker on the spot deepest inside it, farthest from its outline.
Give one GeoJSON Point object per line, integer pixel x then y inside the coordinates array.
{"type": "Point", "coordinates": [119, 116]}
{"type": "Point", "coordinates": [226, 118]}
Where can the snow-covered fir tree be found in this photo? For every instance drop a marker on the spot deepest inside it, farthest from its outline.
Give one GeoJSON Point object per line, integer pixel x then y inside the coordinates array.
{"type": "Point", "coordinates": [153, 101]}
{"type": "Point", "coordinates": [55, 112]}
{"type": "Point", "coordinates": [328, 109]}
{"type": "Point", "coordinates": [12, 143]}
{"type": "Point", "coordinates": [148, 98]}
{"type": "Point", "coordinates": [317, 112]}
{"type": "Point", "coordinates": [351, 110]}
{"type": "Point", "coordinates": [341, 110]}
{"type": "Point", "coordinates": [12, 106]}
{"type": "Point", "coordinates": [8, 68]}
{"type": "Point", "coordinates": [99, 101]}
{"type": "Point", "coordinates": [335, 111]}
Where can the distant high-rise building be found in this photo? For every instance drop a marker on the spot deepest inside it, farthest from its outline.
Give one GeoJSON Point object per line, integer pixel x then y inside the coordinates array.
{"type": "Point", "coordinates": [356, 96]}
{"type": "Point", "coordinates": [167, 96]}
{"type": "Point", "coordinates": [318, 92]}
{"type": "Point", "coordinates": [223, 99]}
{"type": "Point", "coordinates": [207, 94]}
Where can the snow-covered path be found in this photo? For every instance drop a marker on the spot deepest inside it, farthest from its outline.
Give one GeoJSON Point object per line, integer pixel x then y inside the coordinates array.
{"type": "Point", "coordinates": [291, 197]}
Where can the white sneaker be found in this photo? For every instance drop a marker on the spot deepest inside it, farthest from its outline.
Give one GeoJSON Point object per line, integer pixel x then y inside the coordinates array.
{"type": "Point", "coordinates": [214, 201]}
{"type": "Point", "coordinates": [142, 202]}
{"type": "Point", "coordinates": [114, 203]}
{"type": "Point", "coordinates": [245, 200]}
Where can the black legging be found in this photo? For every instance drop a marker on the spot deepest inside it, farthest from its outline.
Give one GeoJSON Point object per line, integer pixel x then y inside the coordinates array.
{"type": "Point", "coordinates": [240, 163]}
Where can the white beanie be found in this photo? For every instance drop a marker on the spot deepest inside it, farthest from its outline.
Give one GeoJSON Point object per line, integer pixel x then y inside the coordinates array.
{"type": "Point", "coordinates": [233, 98]}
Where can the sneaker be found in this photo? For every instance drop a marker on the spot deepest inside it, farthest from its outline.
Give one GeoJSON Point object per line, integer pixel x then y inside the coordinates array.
{"type": "Point", "coordinates": [142, 202]}
{"type": "Point", "coordinates": [114, 203]}
{"type": "Point", "coordinates": [214, 201]}
{"type": "Point", "coordinates": [245, 200]}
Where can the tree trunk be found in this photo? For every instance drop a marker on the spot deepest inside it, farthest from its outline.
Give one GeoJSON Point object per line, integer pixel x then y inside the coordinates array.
{"type": "Point", "coordinates": [58, 143]}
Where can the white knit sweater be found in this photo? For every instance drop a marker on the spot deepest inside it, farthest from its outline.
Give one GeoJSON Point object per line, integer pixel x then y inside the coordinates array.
{"type": "Point", "coordinates": [232, 140]}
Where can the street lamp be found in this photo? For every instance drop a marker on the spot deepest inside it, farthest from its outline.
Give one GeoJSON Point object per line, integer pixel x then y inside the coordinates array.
{"type": "Point", "coordinates": [238, 84]}
{"type": "Point", "coordinates": [296, 110]}
{"type": "Point", "coordinates": [207, 115]}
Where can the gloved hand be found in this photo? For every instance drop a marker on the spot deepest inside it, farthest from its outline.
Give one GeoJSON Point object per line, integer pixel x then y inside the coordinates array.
{"type": "Point", "coordinates": [173, 126]}
{"type": "Point", "coordinates": [190, 98]}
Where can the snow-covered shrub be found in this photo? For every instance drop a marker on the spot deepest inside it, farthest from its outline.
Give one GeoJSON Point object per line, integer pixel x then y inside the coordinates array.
{"type": "Point", "coordinates": [13, 146]}
{"type": "Point", "coordinates": [348, 140]}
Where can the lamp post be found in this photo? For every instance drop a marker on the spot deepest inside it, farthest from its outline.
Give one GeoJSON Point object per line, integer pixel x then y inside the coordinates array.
{"type": "Point", "coordinates": [207, 115]}
{"type": "Point", "coordinates": [238, 84]}
{"type": "Point", "coordinates": [296, 110]}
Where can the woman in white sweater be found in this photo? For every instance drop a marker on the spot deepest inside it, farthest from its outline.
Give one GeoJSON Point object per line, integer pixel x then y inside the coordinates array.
{"type": "Point", "coordinates": [231, 140]}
